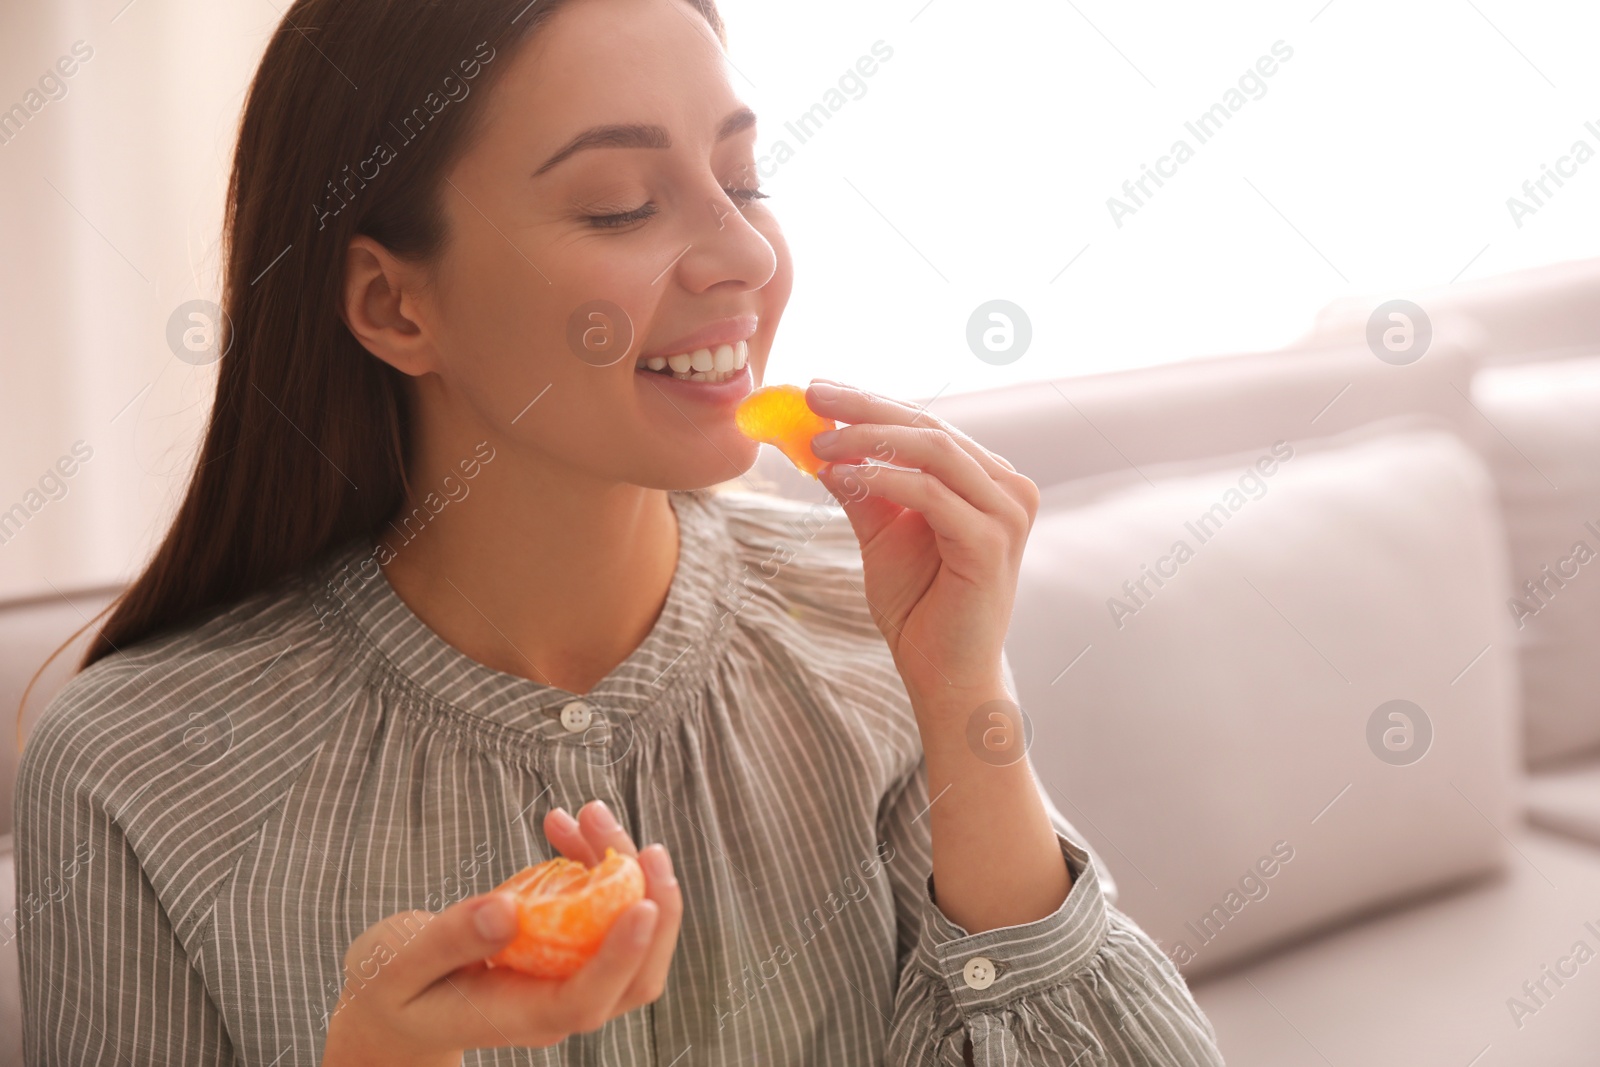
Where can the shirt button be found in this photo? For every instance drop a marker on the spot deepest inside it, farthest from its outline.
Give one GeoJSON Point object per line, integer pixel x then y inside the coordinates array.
{"type": "Point", "coordinates": [978, 973]}
{"type": "Point", "coordinates": [575, 716]}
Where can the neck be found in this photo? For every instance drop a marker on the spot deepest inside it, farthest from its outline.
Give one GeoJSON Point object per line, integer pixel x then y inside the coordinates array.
{"type": "Point", "coordinates": [532, 569]}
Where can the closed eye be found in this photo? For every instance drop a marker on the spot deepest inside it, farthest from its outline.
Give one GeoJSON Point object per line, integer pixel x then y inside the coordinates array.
{"type": "Point", "coordinates": [647, 209]}
{"type": "Point", "coordinates": [623, 218]}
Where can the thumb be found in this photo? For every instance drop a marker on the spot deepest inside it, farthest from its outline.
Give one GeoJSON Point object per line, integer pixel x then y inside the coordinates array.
{"type": "Point", "coordinates": [494, 918]}
{"type": "Point", "coordinates": [409, 951]}
{"type": "Point", "coordinates": [467, 932]}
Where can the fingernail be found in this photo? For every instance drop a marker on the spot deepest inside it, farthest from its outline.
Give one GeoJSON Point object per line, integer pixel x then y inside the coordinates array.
{"type": "Point", "coordinates": [602, 814]}
{"type": "Point", "coordinates": [824, 439]}
{"type": "Point", "coordinates": [660, 865]}
{"type": "Point", "coordinates": [824, 390]}
{"type": "Point", "coordinates": [495, 918]}
{"type": "Point", "coordinates": [564, 817]}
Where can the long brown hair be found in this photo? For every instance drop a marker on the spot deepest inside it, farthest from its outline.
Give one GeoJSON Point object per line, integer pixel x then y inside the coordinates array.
{"type": "Point", "coordinates": [307, 442]}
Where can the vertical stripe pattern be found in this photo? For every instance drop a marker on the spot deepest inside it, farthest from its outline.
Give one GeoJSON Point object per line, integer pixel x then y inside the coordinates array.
{"type": "Point", "coordinates": [208, 819]}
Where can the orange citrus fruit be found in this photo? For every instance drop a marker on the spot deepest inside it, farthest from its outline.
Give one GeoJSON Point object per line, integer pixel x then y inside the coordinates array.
{"type": "Point", "coordinates": [564, 910]}
{"type": "Point", "coordinates": [777, 415]}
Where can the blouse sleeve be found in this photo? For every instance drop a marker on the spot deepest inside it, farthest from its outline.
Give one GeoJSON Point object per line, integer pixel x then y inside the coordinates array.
{"type": "Point", "coordinates": [105, 979]}
{"type": "Point", "coordinates": [1083, 985]}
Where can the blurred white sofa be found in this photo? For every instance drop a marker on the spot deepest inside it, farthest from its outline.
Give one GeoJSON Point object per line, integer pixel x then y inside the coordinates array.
{"type": "Point", "coordinates": [1351, 791]}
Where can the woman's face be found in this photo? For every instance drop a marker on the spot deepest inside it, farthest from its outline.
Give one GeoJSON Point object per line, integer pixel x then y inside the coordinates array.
{"type": "Point", "coordinates": [656, 220]}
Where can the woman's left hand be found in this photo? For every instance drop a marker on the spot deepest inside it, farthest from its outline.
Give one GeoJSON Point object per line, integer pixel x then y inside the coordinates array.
{"type": "Point", "coordinates": [941, 543]}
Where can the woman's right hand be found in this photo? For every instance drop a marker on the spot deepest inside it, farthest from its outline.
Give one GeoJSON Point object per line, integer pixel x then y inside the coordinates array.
{"type": "Point", "coordinates": [432, 997]}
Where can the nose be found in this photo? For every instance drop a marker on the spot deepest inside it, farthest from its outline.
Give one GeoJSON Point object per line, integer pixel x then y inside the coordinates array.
{"type": "Point", "coordinates": [725, 249]}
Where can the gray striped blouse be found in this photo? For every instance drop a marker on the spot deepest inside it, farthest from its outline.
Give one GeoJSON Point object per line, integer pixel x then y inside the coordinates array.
{"type": "Point", "coordinates": [206, 821]}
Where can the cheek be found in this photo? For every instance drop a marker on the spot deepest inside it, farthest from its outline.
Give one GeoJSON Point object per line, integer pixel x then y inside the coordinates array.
{"type": "Point", "coordinates": [506, 318]}
{"type": "Point", "coordinates": [508, 315]}
{"type": "Point", "coordinates": [490, 307]}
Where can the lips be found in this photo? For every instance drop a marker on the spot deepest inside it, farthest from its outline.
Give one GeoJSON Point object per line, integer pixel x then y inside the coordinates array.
{"type": "Point", "coordinates": [726, 331]}
{"type": "Point", "coordinates": [701, 365]}
{"type": "Point", "coordinates": [714, 353]}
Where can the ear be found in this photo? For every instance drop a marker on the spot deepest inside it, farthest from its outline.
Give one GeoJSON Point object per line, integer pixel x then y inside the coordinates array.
{"type": "Point", "coordinates": [381, 309]}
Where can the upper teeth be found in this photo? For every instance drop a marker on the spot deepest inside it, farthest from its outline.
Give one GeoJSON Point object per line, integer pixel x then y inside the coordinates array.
{"type": "Point", "coordinates": [703, 364]}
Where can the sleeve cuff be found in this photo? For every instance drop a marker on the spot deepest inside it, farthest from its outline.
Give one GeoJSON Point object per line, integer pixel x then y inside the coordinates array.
{"type": "Point", "coordinates": [983, 971]}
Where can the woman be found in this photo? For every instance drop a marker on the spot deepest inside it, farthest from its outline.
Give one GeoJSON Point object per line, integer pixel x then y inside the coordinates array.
{"type": "Point", "coordinates": [448, 572]}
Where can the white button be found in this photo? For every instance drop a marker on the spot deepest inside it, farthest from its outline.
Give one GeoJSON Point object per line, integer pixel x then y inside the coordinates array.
{"type": "Point", "coordinates": [978, 973]}
{"type": "Point", "coordinates": [575, 716]}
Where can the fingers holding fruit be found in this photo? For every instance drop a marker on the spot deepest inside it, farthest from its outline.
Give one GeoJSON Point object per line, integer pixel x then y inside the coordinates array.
{"type": "Point", "coordinates": [589, 938]}
{"type": "Point", "coordinates": [926, 448]}
{"type": "Point", "coordinates": [661, 886]}
{"type": "Point", "coordinates": [942, 524]}
{"type": "Point", "coordinates": [478, 1007]}
{"type": "Point", "coordinates": [417, 989]}
{"type": "Point", "coordinates": [778, 415]}
{"type": "Point", "coordinates": [586, 837]}
{"type": "Point", "coordinates": [595, 993]}
{"type": "Point", "coordinates": [844, 403]}
{"type": "Point", "coordinates": [564, 910]}
{"type": "Point", "coordinates": [590, 834]}
{"type": "Point", "coordinates": [559, 948]}
{"type": "Point", "coordinates": [804, 425]}
{"type": "Point", "coordinates": [961, 488]}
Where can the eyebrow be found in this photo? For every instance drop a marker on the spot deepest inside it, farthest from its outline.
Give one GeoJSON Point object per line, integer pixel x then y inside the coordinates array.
{"type": "Point", "coordinates": [640, 136]}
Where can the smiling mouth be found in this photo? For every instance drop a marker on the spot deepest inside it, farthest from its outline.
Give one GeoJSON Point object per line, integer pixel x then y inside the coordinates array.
{"type": "Point", "coordinates": [702, 365]}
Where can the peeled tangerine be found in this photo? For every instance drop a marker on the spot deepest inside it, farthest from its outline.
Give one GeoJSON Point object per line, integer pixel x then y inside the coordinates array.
{"type": "Point", "coordinates": [777, 415]}
{"type": "Point", "coordinates": [564, 910]}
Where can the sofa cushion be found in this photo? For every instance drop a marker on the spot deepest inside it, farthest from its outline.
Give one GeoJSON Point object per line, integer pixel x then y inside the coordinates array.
{"type": "Point", "coordinates": [1224, 732]}
{"type": "Point", "coordinates": [1527, 314]}
{"type": "Point", "coordinates": [1438, 983]}
{"type": "Point", "coordinates": [1546, 463]}
{"type": "Point", "coordinates": [1566, 800]}
{"type": "Point", "coordinates": [1071, 428]}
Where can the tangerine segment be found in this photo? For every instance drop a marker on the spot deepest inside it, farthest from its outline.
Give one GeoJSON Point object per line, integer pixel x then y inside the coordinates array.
{"type": "Point", "coordinates": [564, 911]}
{"type": "Point", "coordinates": [777, 415]}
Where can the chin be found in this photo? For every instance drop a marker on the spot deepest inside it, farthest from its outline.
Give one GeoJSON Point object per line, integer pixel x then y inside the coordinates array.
{"type": "Point", "coordinates": [700, 466]}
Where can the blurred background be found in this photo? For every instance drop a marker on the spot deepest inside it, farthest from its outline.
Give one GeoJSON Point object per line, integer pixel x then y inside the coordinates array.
{"type": "Point", "coordinates": [1377, 247]}
{"type": "Point", "coordinates": [975, 164]}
